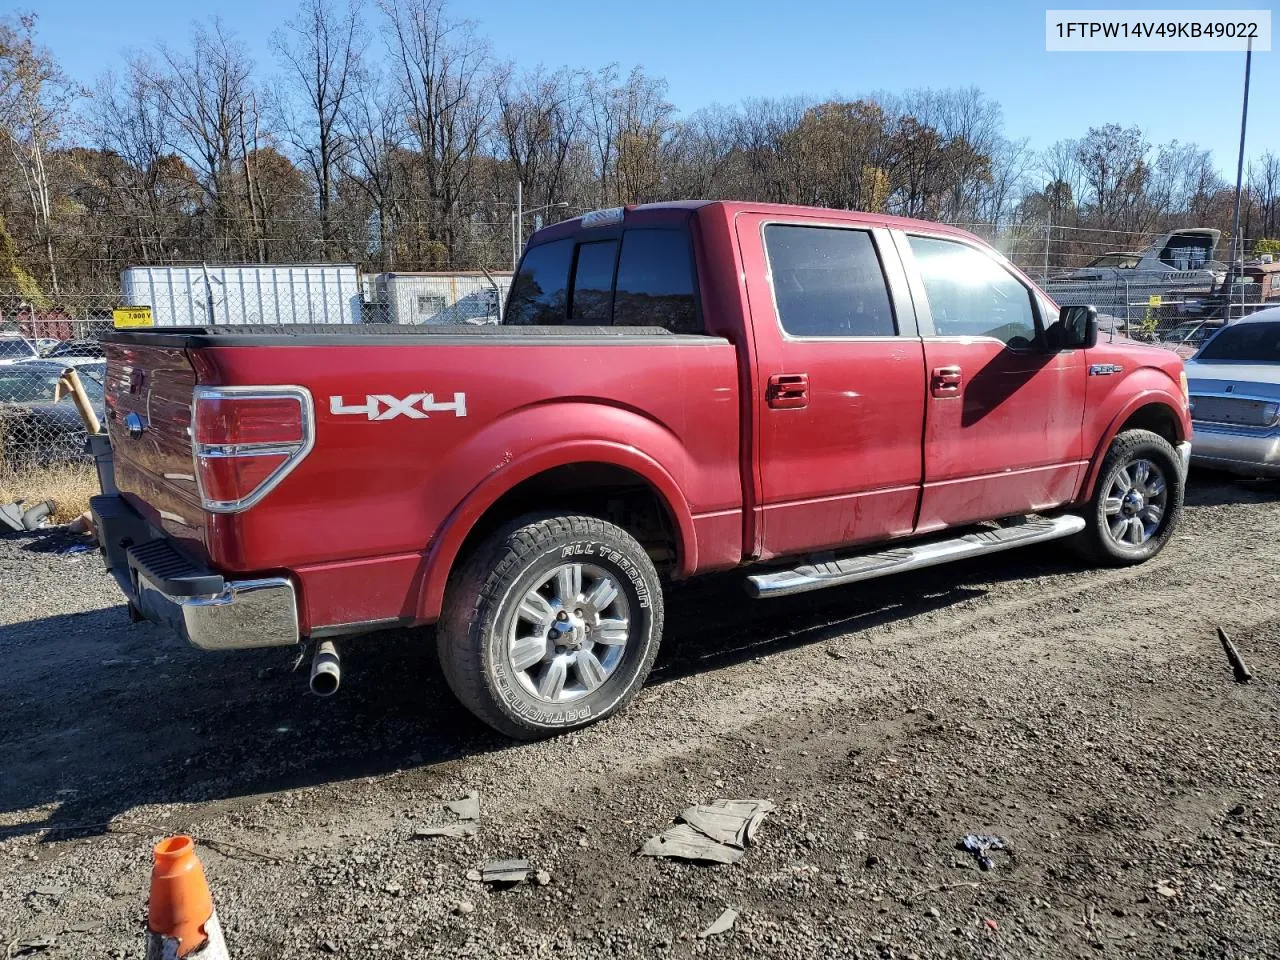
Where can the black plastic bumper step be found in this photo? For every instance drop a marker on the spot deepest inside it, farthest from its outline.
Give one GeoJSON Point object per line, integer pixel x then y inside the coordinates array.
{"type": "Point", "coordinates": [173, 573]}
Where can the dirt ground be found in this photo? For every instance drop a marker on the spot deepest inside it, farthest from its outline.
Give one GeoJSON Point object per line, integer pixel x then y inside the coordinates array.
{"type": "Point", "coordinates": [1089, 717]}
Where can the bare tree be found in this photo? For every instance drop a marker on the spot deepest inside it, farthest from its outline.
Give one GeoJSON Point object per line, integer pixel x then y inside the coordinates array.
{"type": "Point", "coordinates": [320, 50]}
{"type": "Point", "coordinates": [371, 121]}
{"type": "Point", "coordinates": [447, 78]}
{"type": "Point", "coordinates": [207, 97]}
{"type": "Point", "coordinates": [34, 95]}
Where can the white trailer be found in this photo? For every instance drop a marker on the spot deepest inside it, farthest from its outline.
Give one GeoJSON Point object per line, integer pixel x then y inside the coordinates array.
{"type": "Point", "coordinates": [459, 297]}
{"type": "Point", "coordinates": [251, 294]}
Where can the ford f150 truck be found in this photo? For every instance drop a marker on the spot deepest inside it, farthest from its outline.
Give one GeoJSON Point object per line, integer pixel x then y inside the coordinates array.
{"type": "Point", "coordinates": [815, 396]}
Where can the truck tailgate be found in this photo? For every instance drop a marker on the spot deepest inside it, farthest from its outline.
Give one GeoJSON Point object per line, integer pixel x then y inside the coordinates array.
{"type": "Point", "coordinates": [148, 399]}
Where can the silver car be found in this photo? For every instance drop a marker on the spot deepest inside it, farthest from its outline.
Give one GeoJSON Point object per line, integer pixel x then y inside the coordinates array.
{"type": "Point", "coordinates": [1234, 381]}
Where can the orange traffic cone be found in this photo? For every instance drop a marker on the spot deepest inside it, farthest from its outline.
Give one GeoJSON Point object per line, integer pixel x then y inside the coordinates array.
{"type": "Point", "coordinates": [181, 921]}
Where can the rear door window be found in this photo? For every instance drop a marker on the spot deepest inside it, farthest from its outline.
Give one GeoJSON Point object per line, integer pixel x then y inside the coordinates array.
{"type": "Point", "coordinates": [655, 282]}
{"type": "Point", "coordinates": [827, 282]}
{"type": "Point", "coordinates": [593, 282]}
{"type": "Point", "coordinates": [539, 292]}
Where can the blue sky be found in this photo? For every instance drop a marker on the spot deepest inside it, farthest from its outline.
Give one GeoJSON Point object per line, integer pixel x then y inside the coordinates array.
{"type": "Point", "coordinates": [725, 50]}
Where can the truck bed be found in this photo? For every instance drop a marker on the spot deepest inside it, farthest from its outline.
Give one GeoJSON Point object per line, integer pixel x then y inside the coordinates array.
{"type": "Point", "coordinates": [373, 497]}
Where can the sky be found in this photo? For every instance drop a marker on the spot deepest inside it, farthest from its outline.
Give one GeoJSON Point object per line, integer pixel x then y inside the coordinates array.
{"type": "Point", "coordinates": [726, 50]}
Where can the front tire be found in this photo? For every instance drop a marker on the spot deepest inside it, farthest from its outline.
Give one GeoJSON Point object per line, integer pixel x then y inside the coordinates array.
{"type": "Point", "coordinates": [552, 624]}
{"type": "Point", "coordinates": [1136, 502]}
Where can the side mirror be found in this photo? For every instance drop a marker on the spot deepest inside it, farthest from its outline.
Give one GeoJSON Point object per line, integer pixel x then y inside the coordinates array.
{"type": "Point", "coordinates": [1076, 329]}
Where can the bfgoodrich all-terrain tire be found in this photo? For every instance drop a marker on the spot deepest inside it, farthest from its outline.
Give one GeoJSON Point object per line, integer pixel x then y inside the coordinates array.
{"type": "Point", "coordinates": [552, 624]}
{"type": "Point", "coordinates": [1136, 503]}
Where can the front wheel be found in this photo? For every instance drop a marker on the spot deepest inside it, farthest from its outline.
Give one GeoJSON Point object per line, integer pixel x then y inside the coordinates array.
{"type": "Point", "coordinates": [1136, 503]}
{"type": "Point", "coordinates": [551, 625]}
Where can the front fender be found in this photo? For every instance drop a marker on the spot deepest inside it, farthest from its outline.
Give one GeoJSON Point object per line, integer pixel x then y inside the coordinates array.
{"type": "Point", "coordinates": [649, 450]}
{"type": "Point", "coordinates": [1153, 392]}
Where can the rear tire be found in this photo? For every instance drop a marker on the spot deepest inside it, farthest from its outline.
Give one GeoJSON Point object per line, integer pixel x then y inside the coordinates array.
{"type": "Point", "coordinates": [552, 624]}
{"type": "Point", "coordinates": [1136, 502]}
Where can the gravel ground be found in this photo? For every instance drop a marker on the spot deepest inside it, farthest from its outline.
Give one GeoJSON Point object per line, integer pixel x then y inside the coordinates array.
{"type": "Point", "coordinates": [1088, 717]}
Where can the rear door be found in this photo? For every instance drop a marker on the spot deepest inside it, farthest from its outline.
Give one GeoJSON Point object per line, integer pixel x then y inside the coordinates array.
{"type": "Point", "coordinates": [1003, 431]}
{"type": "Point", "coordinates": [840, 384]}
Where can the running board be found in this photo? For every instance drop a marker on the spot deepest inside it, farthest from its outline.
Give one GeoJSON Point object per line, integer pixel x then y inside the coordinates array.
{"type": "Point", "coordinates": [815, 575]}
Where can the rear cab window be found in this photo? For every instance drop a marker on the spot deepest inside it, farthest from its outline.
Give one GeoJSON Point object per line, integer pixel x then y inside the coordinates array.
{"type": "Point", "coordinates": [642, 277]}
{"type": "Point", "coordinates": [828, 282]}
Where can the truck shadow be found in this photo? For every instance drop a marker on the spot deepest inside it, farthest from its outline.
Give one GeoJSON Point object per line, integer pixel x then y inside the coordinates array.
{"type": "Point", "coordinates": [103, 716]}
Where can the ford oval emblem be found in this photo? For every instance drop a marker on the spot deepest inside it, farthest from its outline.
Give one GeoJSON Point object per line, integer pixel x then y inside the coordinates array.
{"type": "Point", "coordinates": [135, 425]}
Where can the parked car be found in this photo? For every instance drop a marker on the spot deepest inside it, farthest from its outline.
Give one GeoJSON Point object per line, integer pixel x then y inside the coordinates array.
{"type": "Point", "coordinates": [36, 429]}
{"type": "Point", "coordinates": [815, 397]}
{"type": "Point", "coordinates": [74, 353]}
{"type": "Point", "coordinates": [13, 349]}
{"type": "Point", "coordinates": [1188, 337]}
{"type": "Point", "coordinates": [1234, 381]}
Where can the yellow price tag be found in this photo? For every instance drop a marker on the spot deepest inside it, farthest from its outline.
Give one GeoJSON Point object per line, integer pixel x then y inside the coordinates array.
{"type": "Point", "coordinates": [132, 317]}
{"type": "Point", "coordinates": [1154, 300]}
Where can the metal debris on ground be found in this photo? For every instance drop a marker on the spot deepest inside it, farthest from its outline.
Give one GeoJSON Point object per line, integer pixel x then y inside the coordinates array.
{"type": "Point", "coordinates": [722, 924]}
{"type": "Point", "coordinates": [1242, 672]}
{"type": "Point", "coordinates": [468, 808]}
{"type": "Point", "coordinates": [447, 830]}
{"type": "Point", "coordinates": [21, 518]}
{"type": "Point", "coordinates": [24, 947]}
{"type": "Point", "coordinates": [717, 833]}
{"type": "Point", "coordinates": [505, 871]}
{"type": "Point", "coordinates": [981, 845]}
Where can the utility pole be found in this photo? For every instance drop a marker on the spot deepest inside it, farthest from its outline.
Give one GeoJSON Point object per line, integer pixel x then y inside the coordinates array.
{"type": "Point", "coordinates": [1236, 252]}
{"type": "Point", "coordinates": [1048, 236]}
{"type": "Point", "coordinates": [515, 255]}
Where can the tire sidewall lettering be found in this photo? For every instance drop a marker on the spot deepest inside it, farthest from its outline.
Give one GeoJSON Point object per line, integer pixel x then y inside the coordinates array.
{"type": "Point", "coordinates": [511, 695]}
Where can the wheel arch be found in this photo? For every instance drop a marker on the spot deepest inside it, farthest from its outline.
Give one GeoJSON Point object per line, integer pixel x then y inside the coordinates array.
{"type": "Point", "coordinates": [598, 478]}
{"type": "Point", "coordinates": [1151, 410]}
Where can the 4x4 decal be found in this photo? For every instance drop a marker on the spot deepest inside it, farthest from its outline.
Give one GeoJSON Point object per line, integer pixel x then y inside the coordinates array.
{"type": "Point", "coordinates": [382, 406]}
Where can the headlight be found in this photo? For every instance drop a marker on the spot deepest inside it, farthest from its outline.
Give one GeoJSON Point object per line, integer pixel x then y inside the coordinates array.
{"type": "Point", "coordinates": [1271, 412]}
{"type": "Point", "coordinates": [1186, 390]}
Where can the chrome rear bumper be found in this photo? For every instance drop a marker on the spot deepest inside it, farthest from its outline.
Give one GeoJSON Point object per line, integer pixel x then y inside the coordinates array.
{"type": "Point", "coordinates": [196, 603]}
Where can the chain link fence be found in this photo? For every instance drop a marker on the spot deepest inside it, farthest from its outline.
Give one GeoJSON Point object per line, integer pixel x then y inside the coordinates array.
{"type": "Point", "coordinates": [41, 427]}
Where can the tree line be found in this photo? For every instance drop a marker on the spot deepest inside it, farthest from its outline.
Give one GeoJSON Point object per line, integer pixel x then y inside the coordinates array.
{"type": "Point", "coordinates": [390, 135]}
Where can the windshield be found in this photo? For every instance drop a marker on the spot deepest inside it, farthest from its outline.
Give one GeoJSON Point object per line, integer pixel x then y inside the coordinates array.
{"type": "Point", "coordinates": [15, 349]}
{"type": "Point", "coordinates": [40, 386]}
{"type": "Point", "coordinates": [18, 387]}
{"type": "Point", "coordinates": [1245, 342]}
{"type": "Point", "coordinates": [1125, 261]}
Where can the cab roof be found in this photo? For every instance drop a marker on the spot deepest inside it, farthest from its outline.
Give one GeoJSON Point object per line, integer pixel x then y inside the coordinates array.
{"type": "Point", "coordinates": [678, 212]}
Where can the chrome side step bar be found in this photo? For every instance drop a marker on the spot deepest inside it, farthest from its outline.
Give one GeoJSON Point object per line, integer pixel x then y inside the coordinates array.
{"type": "Point", "coordinates": [827, 571]}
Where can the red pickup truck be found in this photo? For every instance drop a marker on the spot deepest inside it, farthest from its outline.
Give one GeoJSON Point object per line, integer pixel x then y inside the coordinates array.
{"type": "Point", "coordinates": [815, 396]}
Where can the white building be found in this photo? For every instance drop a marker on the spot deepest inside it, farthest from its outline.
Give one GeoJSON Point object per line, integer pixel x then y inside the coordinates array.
{"type": "Point", "coordinates": [457, 297]}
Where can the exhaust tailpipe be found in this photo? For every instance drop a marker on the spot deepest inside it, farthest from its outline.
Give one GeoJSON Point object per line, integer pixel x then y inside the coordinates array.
{"type": "Point", "coordinates": [326, 670]}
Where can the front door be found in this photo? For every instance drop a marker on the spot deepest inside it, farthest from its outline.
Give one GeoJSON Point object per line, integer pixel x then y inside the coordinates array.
{"type": "Point", "coordinates": [840, 384]}
{"type": "Point", "coordinates": [1003, 428]}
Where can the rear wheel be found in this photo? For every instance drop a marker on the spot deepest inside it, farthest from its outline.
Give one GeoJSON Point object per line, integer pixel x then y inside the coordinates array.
{"type": "Point", "coordinates": [1136, 503]}
{"type": "Point", "coordinates": [551, 625]}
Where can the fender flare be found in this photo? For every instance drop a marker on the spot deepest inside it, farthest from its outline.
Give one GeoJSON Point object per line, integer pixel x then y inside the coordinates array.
{"type": "Point", "coordinates": [1146, 398]}
{"type": "Point", "coordinates": [446, 545]}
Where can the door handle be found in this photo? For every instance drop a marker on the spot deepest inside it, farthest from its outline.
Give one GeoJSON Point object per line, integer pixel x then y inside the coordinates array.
{"type": "Point", "coordinates": [787, 391]}
{"type": "Point", "coordinates": [946, 381]}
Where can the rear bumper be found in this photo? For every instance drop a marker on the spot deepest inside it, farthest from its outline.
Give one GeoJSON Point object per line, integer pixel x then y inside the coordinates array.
{"type": "Point", "coordinates": [1237, 449]}
{"type": "Point", "coordinates": [166, 587]}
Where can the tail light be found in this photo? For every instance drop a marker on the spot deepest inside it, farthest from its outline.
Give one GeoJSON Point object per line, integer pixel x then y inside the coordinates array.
{"type": "Point", "coordinates": [245, 440]}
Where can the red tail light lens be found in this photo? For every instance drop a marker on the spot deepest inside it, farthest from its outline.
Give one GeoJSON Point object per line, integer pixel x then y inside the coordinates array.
{"type": "Point", "coordinates": [246, 440]}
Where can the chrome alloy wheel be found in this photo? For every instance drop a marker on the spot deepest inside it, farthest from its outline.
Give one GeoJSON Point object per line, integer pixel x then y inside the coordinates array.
{"type": "Point", "coordinates": [1136, 503]}
{"type": "Point", "coordinates": [569, 633]}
